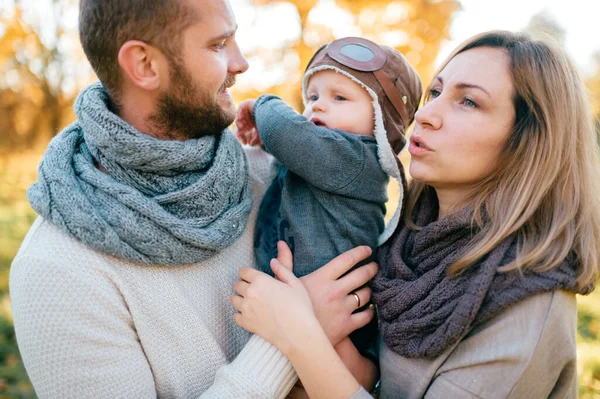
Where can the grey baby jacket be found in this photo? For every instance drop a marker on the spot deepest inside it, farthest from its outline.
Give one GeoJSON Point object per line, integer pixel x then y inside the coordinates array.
{"type": "Point", "coordinates": [328, 196]}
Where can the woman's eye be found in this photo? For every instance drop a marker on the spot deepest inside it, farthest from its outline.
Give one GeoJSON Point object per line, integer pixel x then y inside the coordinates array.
{"type": "Point", "coordinates": [434, 93]}
{"type": "Point", "coordinates": [469, 103]}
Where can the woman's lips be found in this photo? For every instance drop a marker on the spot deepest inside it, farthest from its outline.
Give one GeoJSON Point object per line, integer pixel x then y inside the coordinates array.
{"type": "Point", "coordinates": [417, 147]}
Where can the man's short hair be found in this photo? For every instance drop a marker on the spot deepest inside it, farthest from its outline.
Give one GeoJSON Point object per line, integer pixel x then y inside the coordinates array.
{"type": "Point", "coordinates": [105, 25]}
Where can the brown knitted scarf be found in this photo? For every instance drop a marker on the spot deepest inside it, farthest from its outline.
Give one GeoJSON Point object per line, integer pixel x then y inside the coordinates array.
{"type": "Point", "coordinates": [422, 311]}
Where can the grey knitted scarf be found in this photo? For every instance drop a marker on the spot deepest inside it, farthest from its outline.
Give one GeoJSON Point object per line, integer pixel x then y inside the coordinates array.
{"type": "Point", "coordinates": [422, 311]}
{"type": "Point", "coordinates": [159, 202]}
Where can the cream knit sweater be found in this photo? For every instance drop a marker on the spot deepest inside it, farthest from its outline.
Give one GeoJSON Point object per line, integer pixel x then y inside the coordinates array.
{"type": "Point", "coordinates": [91, 325]}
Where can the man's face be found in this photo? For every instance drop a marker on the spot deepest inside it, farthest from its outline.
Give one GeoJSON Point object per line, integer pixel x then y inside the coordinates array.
{"type": "Point", "coordinates": [196, 101]}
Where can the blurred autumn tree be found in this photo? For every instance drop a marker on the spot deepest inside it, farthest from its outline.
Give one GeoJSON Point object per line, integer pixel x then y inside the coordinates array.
{"type": "Point", "coordinates": [414, 27]}
{"type": "Point", "coordinates": [42, 66]}
{"type": "Point", "coordinates": [544, 26]}
{"type": "Point", "coordinates": [38, 77]}
{"type": "Point", "coordinates": [41, 69]}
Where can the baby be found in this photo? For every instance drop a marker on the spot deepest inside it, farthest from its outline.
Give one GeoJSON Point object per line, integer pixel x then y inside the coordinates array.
{"type": "Point", "coordinates": [335, 160]}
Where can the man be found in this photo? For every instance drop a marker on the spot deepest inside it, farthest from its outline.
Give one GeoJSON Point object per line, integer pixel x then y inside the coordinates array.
{"type": "Point", "coordinates": [121, 287]}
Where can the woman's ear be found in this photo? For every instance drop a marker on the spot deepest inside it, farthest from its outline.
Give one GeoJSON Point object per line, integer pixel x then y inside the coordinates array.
{"type": "Point", "coordinates": [140, 64]}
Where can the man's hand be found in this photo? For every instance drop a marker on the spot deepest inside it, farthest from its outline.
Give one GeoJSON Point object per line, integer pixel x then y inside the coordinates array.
{"type": "Point", "coordinates": [332, 295]}
{"type": "Point", "coordinates": [247, 132]}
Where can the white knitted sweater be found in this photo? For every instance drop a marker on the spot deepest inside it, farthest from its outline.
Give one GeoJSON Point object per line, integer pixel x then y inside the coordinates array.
{"type": "Point", "coordinates": [91, 325]}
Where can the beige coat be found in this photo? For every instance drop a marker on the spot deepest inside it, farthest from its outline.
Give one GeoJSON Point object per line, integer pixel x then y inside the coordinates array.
{"type": "Point", "coordinates": [526, 352]}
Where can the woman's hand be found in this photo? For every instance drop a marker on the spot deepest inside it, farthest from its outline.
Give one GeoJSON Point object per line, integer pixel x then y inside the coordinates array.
{"type": "Point", "coordinates": [332, 296]}
{"type": "Point", "coordinates": [279, 311]}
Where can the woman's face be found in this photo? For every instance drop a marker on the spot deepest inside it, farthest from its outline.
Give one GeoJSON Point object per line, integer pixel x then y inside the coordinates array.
{"type": "Point", "coordinates": [461, 130]}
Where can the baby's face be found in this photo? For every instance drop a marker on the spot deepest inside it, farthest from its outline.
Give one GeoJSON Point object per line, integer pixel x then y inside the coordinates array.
{"type": "Point", "coordinates": [337, 102]}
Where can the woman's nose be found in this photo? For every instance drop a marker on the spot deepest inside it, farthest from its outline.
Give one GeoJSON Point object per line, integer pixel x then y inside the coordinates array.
{"type": "Point", "coordinates": [429, 115]}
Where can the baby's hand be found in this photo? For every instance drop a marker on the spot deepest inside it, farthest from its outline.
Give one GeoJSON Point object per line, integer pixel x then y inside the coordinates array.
{"type": "Point", "coordinates": [246, 127]}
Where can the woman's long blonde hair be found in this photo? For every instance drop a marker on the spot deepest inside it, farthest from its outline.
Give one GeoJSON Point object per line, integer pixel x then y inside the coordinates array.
{"type": "Point", "coordinates": [546, 188]}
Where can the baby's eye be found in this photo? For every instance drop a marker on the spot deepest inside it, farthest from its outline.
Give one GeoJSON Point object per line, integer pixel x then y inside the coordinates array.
{"type": "Point", "coordinates": [313, 97]}
{"type": "Point", "coordinates": [340, 98]}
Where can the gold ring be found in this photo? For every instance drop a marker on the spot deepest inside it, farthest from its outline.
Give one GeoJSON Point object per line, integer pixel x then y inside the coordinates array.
{"type": "Point", "coordinates": [357, 299]}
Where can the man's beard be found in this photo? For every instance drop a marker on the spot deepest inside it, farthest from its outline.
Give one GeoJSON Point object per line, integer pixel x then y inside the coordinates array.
{"type": "Point", "coordinates": [185, 114]}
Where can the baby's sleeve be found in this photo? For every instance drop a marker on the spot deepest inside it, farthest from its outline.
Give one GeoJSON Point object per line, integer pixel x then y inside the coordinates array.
{"type": "Point", "coordinates": [328, 159]}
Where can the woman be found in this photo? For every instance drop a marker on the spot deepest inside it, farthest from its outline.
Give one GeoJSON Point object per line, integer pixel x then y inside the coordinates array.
{"type": "Point", "coordinates": [476, 290]}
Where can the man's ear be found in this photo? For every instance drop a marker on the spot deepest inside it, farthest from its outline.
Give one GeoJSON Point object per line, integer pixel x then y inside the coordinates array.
{"type": "Point", "coordinates": [141, 64]}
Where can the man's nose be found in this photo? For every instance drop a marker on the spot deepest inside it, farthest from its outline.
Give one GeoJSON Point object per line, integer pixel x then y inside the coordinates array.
{"type": "Point", "coordinates": [237, 62]}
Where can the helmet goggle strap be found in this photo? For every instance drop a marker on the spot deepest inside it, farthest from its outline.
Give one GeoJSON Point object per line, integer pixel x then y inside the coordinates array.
{"type": "Point", "coordinates": [365, 56]}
